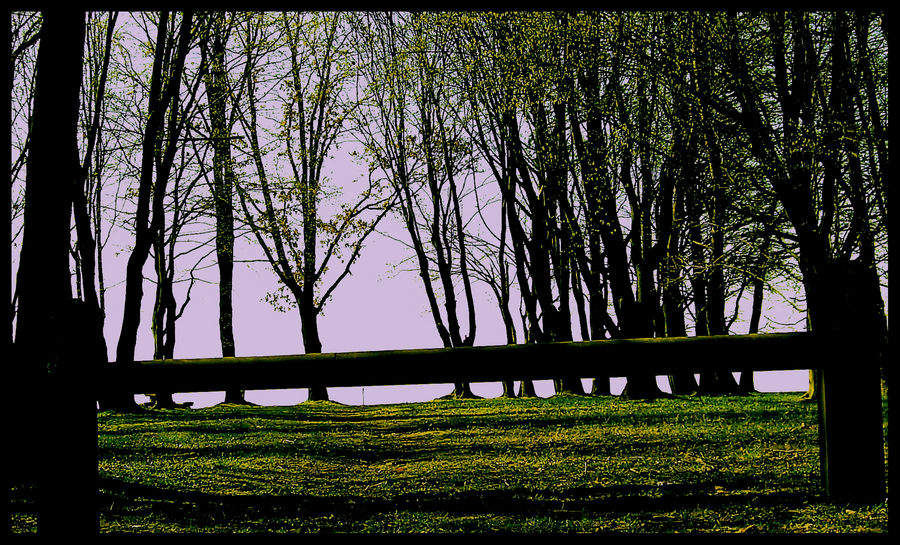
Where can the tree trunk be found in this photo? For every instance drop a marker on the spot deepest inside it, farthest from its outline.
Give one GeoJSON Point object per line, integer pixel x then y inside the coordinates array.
{"type": "Point", "coordinates": [589, 261]}
{"type": "Point", "coordinates": [679, 383]}
{"type": "Point", "coordinates": [638, 323]}
{"type": "Point", "coordinates": [673, 319]}
{"type": "Point", "coordinates": [580, 306]}
{"type": "Point", "coordinates": [163, 328]}
{"type": "Point", "coordinates": [569, 385]}
{"type": "Point", "coordinates": [223, 189]}
{"type": "Point", "coordinates": [527, 389]}
{"type": "Point", "coordinates": [597, 305]}
{"type": "Point", "coordinates": [43, 280]}
{"type": "Point", "coordinates": [509, 389]}
{"type": "Point", "coordinates": [706, 298]}
{"type": "Point", "coordinates": [311, 344]}
{"type": "Point", "coordinates": [746, 384]}
{"type": "Point", "coordinates": [87, 243]}
{"type": "Point", "coordinates": [48, 319]}
{"type": "Point", "coordinates": [152, 186]}
{"type": "Point", "coordinates": [639, 386]}
{"type": "Point", "coordinates": [462, 390]}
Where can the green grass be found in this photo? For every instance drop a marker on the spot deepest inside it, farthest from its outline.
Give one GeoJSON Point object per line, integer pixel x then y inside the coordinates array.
{"type": "Point", "coordinates": [564, 464]}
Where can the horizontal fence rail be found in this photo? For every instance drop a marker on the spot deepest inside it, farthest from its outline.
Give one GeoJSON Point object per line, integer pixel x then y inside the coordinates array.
{"type": "Point", "coordinates": [588, 359]}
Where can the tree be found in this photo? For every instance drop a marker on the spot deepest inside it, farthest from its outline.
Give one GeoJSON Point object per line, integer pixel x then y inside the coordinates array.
{"type": "Point", "coordinates": [488, 263]}
{"type": "Point", "coordinates": [546, 187]}
{"type": "Point", "coordinates": [289, 226]}
{"type": "Point", "coordinates": [46, 309]}
{"type": "Point", "coordinates": [86, 222]}
{"type": "Point", "coordinates": [804, 133]}
{"type": "Point", "coordinates": [517, 92]}
{"type": "Point", "coordinates": [417, 143]}
{"type": "Point", "coordinates": [615, 157]}
{"type": "Point", "coordinates": [25, 32]}
{"type": "Point", "coordinates": [444, 152]}
{"type": "Point", "coordinates": [156, 164]}
{"type": "Point", "coordinates": [43, 280]}
{"type": "Point", "coordinates": [183, 210]}
{"type": "Point", "coordinates": [816, 178]}
{"type": "Point", "coordinates": [221, 123]}
{"type": "Point", "coordinates": [632, 81]}
{"type": "Point", "coordinates": [588, 113]}
{"type": "Point", "coordinates": [489, 86]}
{"type": "Point", "coordinates": [677, 171]}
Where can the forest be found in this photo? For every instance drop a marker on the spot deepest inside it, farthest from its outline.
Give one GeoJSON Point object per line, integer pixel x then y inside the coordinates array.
{"type": "Point", "coordinates": [606, 175]}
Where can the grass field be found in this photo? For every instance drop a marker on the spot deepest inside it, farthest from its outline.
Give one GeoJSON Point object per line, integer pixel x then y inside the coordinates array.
{"type": "Point", "coordinates": [562, 464]}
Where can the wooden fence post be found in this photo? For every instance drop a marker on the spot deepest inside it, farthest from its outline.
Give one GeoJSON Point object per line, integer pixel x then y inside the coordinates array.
{"type": "Point", "coordinates": [849, 390]}
{"type": "Point", "coordinates": [68, 482]}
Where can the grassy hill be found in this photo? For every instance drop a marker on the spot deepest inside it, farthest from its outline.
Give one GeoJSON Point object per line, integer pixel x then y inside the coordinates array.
{"type": "Point", "coordinates": [563, 464]}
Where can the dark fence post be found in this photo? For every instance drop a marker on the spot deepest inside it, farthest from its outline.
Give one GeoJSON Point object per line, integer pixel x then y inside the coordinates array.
{"type": "Point", "coordinates": [849, 390]}
{"type": "Point", "coordinates": [69, 473]}
{"type": "Point", "coordinates": [68, 480]}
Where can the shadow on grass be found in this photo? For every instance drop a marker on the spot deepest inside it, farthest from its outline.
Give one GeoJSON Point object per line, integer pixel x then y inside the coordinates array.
{"type": "Point", "coordinates": [202, 507]}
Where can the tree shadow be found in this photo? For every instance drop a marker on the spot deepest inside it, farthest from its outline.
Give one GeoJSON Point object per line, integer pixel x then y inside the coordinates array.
{"type": "Point", "coordinates": [583, 502]}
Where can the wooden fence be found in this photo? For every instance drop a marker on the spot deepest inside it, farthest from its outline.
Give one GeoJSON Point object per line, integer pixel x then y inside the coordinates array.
{"type": "Point", "coordinates": [609, 358]}
{"type": "Point", "coordinates": [850, 419]}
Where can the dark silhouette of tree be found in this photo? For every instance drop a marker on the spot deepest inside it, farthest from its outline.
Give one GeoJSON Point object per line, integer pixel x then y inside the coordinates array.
{"type": "Point", "coordinates": [612, 138]}
{"type": "Point", "coordinates": [488, 84]}
{"type": "Point", "coordinates": [222, 100]}
{"type": "Point", "coordinates": [488, 263]}
{"type": "Point", "coordinates": [416, 141]}
{"type": "Point", "coordinates": [804, 131]}
{"type": "Point", "coordinates": [516, 91]}
{"type": "Point", "coordinates": [86, 229]}
{"type": "Point", "coordinates": [678, 168]}
{"type": "Point", "coordinates": [184, 207]}
{"type": "Point", "coordinates": [50, 325]}
{"type": "Point", "coordinates": [52, 171]}
{"type": "Point", "coordinates": [156, 164]}
{"type": "Point", "coordinates": [24, 37]}
{"type": "Point", "coordinates": [805, 137]}
{"type": "Point", "coordinates": [290, 226]}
